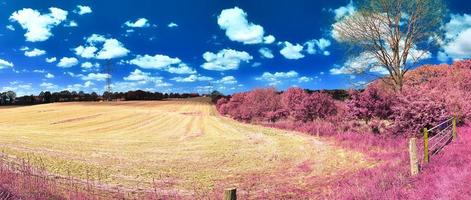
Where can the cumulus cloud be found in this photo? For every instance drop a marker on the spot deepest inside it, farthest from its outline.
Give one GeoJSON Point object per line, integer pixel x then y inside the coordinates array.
{"type": "Point", "coordinates": [67, 62]}
{"type": "Point", "coordinates": [139, 23]}
{"type": "Point", "coordinates": [5, 64]}
{"type": "Point", "coordinates": [48, 86]}
{"type": "Point", "coordinates": [80, 87]}
{"type": "Point", "coordinates": [49, 75]}
{"type": "Point", "coordinates": [318, 46]}
{"type": "Point", "coordinates": [228, 80]}
{"type": "Point", "coordinates": [110, 48]}
{"type": "Point", "coordinates": [35, 52]}
{"type": "Point", "coordinates": [290, 51]}
{"type": "Point", "coordinates": [268, 39]}
{"type": "Point", "coordinates": [38, 26]}
{"type": "Point", "coordinates": [181, 69]}
{"type": "Point", "coordinates": [51, 59]}
{"type": "Point", "coordinates": [226, 59]}
{"type": "Point", "coordinates": [172, 25]}
{"type": "Point", "coordinates": [238, 28]}
{"type": "Point", "coordinates": [82, 10]}
{"type": "Point", "coordinates": [86, 65]}
{"type": "Point", "coordinates": [154, 62]}
{"type": "Point", "coordinates": [96, 77]}
{"type": "Point", "coordinates": [344, 11]}
{"type": "Point", "coordinates": [71, 24]}
{"type": "Point", "coordinates": [277, 77]}
{"type": "Point", "coordinates": [192, 78]}
{"type": "Point", "coordinates": [10, 27]}
{"type": "Point", "coordinates": [457, 44]}
{"type": "Point", "coordinates": [304, 79]}
{"type": "Point", "coordinates": [266, 52]}
{"type": "Point", "coordinates": [138, 75]}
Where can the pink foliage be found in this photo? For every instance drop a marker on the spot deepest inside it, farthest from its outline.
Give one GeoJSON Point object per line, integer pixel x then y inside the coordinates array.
{"type": "Point", "coordinates": [374, 102]}
{"type": "Point", "coordinates": [417, 108]}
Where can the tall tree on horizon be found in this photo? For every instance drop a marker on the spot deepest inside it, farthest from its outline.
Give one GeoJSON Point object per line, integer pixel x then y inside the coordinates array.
{"type": "Point", "coordinates": [389, 33]}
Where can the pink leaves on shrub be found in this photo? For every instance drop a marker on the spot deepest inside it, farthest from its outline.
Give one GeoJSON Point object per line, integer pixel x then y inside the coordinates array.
{"type": "Point", "coordinates": [374, 102]}
{"type": "Point", "coordinates": [266, 105]}
{"type": "Point", "coordinates": [418, 108]}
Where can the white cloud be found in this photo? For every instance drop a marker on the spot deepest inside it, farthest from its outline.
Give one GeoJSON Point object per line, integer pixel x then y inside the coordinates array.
{"type": "Point", "coordinates": [256, 64]}
{"type": "Point", "coordinates": [154, 62]}
{"type": "Point", "coordinates": [229, 80]}
{"type": "Point", "coordinates": [38, 26]}
{"type": "Point", "coordinates": [344, 11]}
{"type": "Point", "coordinates": [181, 69]}
{"type": "Point", "coordinates": [266, 52]}
{"type": "Point", "coordinates": [226, 59]}
{"type": "Point", "coordinates": [41, 71]}
{"type": "Point", "coordinates": [10, 27]}
{"type": "Point", "coordinates": [172, 25]}
{"type": "Point", "coordinates": [457, 45]}
{"type": "Point", "coordinates": [96, 38]}
{"type": "Point", "coordinates": [95, 77]}
{"type": "Point", "coordinates": [192, 78]}
{"type": "Point", "coordinates": [318, 46]}
{"type": "Point", "coordinates": [238, 28]}
{"type": "Point", "coordinates": [67, 62]}
{"type": "Point", "coordinates": [268, 39]}
{"type": "Point", "coordinates": [51, 60]}
{"type": "Point", "coordinates": [35, 52]}
{"type": "Point", "coordinates": [86, 65]}
{"type": "Point", "coordinates": [49, 75]}
{"type": "Point", "coordinates": [48, 86]}
{"type": "Point", "coordinates": [139, 23]}
{"type": "Point", "coordinates": [81, 10]}
{"type": "Point", "coordinates": [80, 87]}
{"type": "Point", "coordinates": [5, 64]}
{"type": "Point", "coordinates": [138, 75]}
{"type": "Point", "coordinates": [276, 78]}
{"type": "Point", "coordinates": [161, 83]}
{"type": "Point", "coordinates": [20, 88]}
{"type": "Point", "coordinates": [71, 24]}
{"type": "Point", "coordinates": [85, 52]}
{"type": "Point", "coordinates": [291, 51]}
{"type": "Point", "coordinates": [111, 48]}
{"type": "Point", "coordinates": [304, 79]}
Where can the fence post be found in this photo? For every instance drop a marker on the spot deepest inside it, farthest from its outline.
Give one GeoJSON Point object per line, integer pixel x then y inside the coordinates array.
{"type": "Point", "coordinates": [454, 128]}
{"type": "Point", "coordinates": [414, 161]}
{"type": "Point", "coordinates": [426, 156]}
{"type": "Point", "coordinates": [230, 194]}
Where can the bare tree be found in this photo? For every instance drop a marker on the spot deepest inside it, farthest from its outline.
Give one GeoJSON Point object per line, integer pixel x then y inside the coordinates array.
{"type": "Point", "coordinates": [390, 32]}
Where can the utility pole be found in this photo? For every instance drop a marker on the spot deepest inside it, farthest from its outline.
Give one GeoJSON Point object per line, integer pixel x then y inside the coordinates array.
{"type": "Point", "coordinates": [108, 70]}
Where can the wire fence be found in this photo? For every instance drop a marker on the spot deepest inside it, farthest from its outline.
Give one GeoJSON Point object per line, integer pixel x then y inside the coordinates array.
{"type": "Point", "coordinates": [437, 137]}
{"type": "Point", "coordinates": [435, 140]}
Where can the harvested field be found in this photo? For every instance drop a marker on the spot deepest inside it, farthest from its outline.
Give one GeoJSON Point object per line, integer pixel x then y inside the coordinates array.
{"type": "Point", "coordinates": [177, 145]}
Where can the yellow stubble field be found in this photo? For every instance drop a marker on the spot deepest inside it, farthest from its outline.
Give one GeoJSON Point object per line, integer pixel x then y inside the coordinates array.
{"type": "Point", "coordinates": [183, 143]}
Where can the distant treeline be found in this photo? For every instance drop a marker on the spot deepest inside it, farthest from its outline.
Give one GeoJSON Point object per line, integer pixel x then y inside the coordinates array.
{"type": "Point", "coordinates": [10, 98]}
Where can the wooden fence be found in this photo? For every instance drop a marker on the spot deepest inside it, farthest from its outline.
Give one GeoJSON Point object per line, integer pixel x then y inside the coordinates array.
{"type": "Point", "coordinates": [434, 140]}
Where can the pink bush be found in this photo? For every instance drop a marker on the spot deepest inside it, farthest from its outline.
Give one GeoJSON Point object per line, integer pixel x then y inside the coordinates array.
{"type": "Point", "coordinates": [374, 102]}
{"type": "Point", "coordinates": [316, 106]}
{"type": "Point", "coordinates": [292, 99]}
{"type": "Point", "coordinates": [417, 108]}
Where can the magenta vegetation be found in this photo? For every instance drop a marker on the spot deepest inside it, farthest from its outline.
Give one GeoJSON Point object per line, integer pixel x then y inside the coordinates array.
{"type": "Point", "coordinates": [377, 121]}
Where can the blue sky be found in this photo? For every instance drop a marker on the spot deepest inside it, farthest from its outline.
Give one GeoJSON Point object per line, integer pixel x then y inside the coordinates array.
{"type": "Point", "coordinates": [187, 45]}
